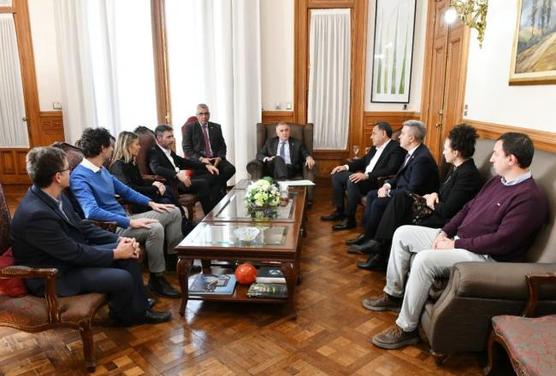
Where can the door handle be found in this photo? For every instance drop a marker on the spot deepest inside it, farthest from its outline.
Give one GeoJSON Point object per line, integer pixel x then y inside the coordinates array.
{"type": "Point", "coordinates": [438, 125]}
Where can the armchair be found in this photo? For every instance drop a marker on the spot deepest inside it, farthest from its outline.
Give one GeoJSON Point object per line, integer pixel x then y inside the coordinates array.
{"type": "Point", "coordinates": [529, 341]}
{"type": "Point", "coordinates": [36, 314]}
{"type": "Point", "coordinates": [302, 132]}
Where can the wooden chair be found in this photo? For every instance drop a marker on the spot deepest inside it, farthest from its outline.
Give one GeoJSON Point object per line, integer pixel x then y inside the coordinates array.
{"type": "Point", "coordinates": [529, 341]}
{"type": "Point", "coordinates": [302, 132]}
{"type": "Point", "coordinates": [147, 141]}
{"type": "Point", "coordinates": [36, 314]}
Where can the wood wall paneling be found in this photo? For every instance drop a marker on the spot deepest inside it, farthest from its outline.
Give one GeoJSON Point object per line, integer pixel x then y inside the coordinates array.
{"type": "Point", "coordinates": [52, 127]}
{"type": "Point", "coordinates": [12, 166]}
{"type": "Point", "coordinates": [276, 116]}
{"type": "Point", "coordinates": [543, 140]}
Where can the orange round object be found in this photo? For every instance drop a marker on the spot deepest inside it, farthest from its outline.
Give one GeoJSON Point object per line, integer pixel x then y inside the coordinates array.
{"type": "Point", "coordinates": [246, 274]}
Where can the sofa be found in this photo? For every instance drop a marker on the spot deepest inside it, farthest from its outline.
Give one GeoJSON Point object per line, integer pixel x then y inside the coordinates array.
{"type": "Point", "coordinates": [460, 319]}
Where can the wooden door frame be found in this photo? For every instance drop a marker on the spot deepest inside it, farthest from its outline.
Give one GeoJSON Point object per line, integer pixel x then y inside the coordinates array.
{"type": "Point", "coordinates": [427, 71]}
{"type": "Point", "coordinates": [359, 10]}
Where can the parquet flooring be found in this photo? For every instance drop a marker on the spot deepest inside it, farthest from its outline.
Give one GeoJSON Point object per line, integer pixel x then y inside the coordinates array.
{"type": "Point", "coordinates": [329, 337]}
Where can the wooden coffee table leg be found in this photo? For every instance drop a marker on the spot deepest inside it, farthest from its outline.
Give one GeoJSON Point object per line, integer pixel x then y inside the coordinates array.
{"type": "Point", "coordinates": [183, 268]}
{"type": "Point", "coordinates": [288, 269]}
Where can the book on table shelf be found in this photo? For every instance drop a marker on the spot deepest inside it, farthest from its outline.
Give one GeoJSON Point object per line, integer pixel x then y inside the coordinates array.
{"type": "Point", "coordinates": [269, 274]}
{"type": "Point", "coordinates": [212, 284]}
{"type": "Point", "coordinates": [267, 290]}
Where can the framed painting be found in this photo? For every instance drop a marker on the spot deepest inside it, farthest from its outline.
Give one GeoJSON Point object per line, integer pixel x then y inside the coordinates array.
{"type": "Point", "coordinates": [393, 50]}
{"type": "Point", "coordinates": [534, 50]}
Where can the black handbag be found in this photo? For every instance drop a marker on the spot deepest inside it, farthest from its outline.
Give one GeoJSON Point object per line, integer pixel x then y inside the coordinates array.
{"type": "Point", "coordinates": [419, 209]}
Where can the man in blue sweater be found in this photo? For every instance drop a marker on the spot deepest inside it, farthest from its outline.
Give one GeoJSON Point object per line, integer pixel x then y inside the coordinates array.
{"type": "Point", "coordinates": [95, 189]}
{"type": "Point", "coordinates": [499, 224]}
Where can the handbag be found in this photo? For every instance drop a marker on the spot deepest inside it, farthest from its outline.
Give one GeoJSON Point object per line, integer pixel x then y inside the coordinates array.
{"type": "Point", "coordinates": [419, 208]}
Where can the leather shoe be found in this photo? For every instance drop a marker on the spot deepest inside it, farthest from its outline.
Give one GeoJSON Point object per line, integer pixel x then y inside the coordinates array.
{"type": "Point", "coordinates": [160, 285]}
{"type": "Point", "coordinates": [368, 247]}
{"type": "Point", "coordinates": [334, 216]}
{"type": "Point", "coordinates": [154, 317]}
{"type": "Point", "coordinates": [150, 303]}
{"type": "Point", "coordinates": [361, 238]}
{"type": "Point", "coordinates": [346, 224]}
{"type": "Point", "coordinates": [374, 262]}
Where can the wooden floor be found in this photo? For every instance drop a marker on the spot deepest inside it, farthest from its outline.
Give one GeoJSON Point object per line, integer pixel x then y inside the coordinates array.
{"type": "Point", "coordinates": [329, 337]}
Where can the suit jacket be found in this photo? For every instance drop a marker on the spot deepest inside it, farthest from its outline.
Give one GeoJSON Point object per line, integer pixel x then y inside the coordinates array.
{"type": "Point", "coordinates": [160, 165]}
{"type": "Point", "coordinates": [298, 152]}
{"type": "Point", "coordinates": [194, 141]}
{"type": "Point", "coordinates": [388, 163]}
{"type": "Point", "coordinates": [43, 238]}
{"type": "Point", "coordinates": [419, 175]}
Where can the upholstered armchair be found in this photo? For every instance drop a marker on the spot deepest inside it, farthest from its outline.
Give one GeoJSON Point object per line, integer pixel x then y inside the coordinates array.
{"type": "Point", "coordinates": [302, 132]}
{"type": "Point", "coordinates": [529, 341]}
{"type": "Point", "coordinates": [36, 314]}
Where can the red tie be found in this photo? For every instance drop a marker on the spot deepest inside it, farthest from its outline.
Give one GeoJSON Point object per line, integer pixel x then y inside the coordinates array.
{"type": "Point", "coordinates": [208, 150]}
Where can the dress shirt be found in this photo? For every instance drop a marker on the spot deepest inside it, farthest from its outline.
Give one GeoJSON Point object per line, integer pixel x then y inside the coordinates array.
{"type": "Point", "coordinates": [89, 165]}
{"type": "Point", "coordinates": [168, 154]}
{"type": "Point", "coordinates": [374, 159]}
{"type": "Point", "coordinates": [517, 180]}
{"type": "Point", "coordinates": [286, 151]}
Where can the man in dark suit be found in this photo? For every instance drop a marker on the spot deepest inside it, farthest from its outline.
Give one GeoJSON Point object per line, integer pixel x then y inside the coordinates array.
{"type": "Point", "coordinates": [284, 156]}
{"type": "Point", "coordinates": [165, 162]}
{"type": "Point", "coordinates": [203, 141]}
{"type": "Point", "coordinates": [47, 233]}
{"type": "Point", "coordinates": [418, 174]}
{"type": "Point", "coordinates": [359, 176]}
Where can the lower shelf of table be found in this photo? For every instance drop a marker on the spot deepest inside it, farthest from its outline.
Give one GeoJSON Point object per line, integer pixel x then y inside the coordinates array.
{"type": "Point", "coordinates": [239, 295]}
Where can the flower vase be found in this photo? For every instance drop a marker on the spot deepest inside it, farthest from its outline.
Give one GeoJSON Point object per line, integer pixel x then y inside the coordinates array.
{"type": "Point", "coordinates": [262, 212]}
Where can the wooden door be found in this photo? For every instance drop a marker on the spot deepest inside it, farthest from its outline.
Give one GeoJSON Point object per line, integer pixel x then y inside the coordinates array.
{"type": "Point", "coordinates": [444, 77]}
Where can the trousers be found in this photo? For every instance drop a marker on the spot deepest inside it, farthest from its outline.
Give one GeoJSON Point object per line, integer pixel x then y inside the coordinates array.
{"type": "Point", "coordinates": [168, 227]}
{"type": "Point", "coordinates": [427, 264]}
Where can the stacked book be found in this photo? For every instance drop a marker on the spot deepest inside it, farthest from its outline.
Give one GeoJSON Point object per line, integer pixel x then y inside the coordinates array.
{"type": "Point", "coordinates": [270, 283]}
{"type": "Point", "coordinates": [212, 284]}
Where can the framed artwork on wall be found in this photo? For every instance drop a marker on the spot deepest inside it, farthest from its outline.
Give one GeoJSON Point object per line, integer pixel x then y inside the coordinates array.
{"type": "Point", "coordinates": [393, 50]}
{"type": "Point", "coordinates": [534, 50]}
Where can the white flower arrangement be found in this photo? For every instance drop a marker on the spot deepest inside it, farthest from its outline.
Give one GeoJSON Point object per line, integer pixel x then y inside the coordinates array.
{"type": "Point", "coordinates": [262, 194]}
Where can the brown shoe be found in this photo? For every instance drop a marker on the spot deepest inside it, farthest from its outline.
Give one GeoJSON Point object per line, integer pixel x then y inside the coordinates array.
{"type": "Point", "coordinates": [394, 338]}
{"type": "Point", "coordinates": [384, 302]}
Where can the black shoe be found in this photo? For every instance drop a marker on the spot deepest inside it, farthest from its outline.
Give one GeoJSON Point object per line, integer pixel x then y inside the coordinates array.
{"type": "Point", "coordinates": [367, 247]}
{"type": "Point", "coordinates": [361, 238]}
{"type": "Point", "coordinates": [153, 317]}
{"type": "Point", "coordinates": [334, 216]}
{"type": "Point", "coordinates": [374, 262]}
{"type": "Point", "coordinates": [346, 224]}
{"type": "Point", "coordinates": [160, 285]}
{"type": "Point", "coordinates": [150, 303]}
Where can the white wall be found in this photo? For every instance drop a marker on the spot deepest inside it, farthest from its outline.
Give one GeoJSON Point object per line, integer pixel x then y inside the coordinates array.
{"type": "Point", "coordinates": [488, 96]}
{"type": "Point", "coordinates": [277, 23]}
{"type": "Point", "coordinates": [417, 66]}
{"type": "Point", "coordinates": [43, 34]}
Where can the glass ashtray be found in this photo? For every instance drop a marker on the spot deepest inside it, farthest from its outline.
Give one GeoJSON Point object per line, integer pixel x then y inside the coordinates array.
{"type": "Point", "coordinates": [246, 234]}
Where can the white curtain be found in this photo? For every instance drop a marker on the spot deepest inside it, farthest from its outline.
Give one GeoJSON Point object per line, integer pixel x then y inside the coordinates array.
{"type": "Point", "coordinates": [329, 77]}
{"type": "Point", "coordinates": [106, 64]}
{"type": "Point", "coordinates": [214, 58]}
{"type": "Point", "coordinates": [13, 130]}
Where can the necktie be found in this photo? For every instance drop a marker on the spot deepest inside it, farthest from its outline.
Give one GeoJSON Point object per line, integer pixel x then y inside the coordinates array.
{"type": "Point", "coordinates": [406, 159]}
{"type": "Point", "coordinates": [208, 150]}
{"type": "Point", "coordinates": [61, 207]}
{"type": "Point", "coordinates": [282, 151]}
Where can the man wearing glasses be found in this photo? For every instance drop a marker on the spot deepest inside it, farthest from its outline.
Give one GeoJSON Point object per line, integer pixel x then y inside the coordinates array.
{"type": "Point", "coordinates": [203, 141]}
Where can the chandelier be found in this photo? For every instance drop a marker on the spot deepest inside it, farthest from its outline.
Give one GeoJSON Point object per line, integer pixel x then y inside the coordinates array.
{"type": "Point", "coordinates": [472, 13]}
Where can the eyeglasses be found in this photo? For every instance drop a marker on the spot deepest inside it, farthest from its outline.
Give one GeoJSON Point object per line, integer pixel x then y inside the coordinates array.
{"type": "Point", "coordinates": [203, 113]}
{"type": "Point", "coordinates": [64, 170]}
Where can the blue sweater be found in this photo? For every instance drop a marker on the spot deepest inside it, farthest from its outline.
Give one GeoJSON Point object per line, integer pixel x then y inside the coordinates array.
{"type": "Point", "coordinates": [96, 193]}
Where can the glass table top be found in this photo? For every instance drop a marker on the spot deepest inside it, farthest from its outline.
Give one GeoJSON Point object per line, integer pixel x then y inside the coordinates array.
{"type": "Point", "coordinates": [233, 207]}
{"type": "Point", "coordinates": [243, 235]}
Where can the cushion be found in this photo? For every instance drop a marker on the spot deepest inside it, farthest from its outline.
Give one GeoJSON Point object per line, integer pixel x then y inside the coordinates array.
{"type": "Point", "coordinates": [12, 287]}
{"type": "Point", "coordinates": [531, 342]}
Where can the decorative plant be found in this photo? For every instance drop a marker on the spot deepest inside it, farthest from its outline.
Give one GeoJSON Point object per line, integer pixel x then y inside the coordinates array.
{"type": "Point", "coordinates": [262, 198]}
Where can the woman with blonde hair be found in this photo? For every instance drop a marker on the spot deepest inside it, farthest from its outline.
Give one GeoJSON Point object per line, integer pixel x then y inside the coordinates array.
{"type": "Point", "coordinates": [125, 168]}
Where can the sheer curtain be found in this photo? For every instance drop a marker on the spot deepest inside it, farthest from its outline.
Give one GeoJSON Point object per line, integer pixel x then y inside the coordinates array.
{"type": "Point", "coordinates": [13, 130]}
{"type": "Point", "coordinates": [106, 64]}
{"type": "Point", "coordinates": [214, 58]}
{"type": "Point", "coordinates": [329, 77]}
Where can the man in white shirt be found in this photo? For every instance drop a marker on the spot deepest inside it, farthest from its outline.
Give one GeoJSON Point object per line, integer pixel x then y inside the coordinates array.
{"type": "Point", "coordinates": [359, 176]}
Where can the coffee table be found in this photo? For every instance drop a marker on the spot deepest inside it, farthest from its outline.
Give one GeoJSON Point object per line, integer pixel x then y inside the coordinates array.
{"type": "Point", "coordinates": [278, 243]}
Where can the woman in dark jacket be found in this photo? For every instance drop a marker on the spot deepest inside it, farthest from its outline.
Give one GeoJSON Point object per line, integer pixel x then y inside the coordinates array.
{"type": "Point", "coordinates": [124, 168]}
{"type": "Point", "coordinates": [462, 183]}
